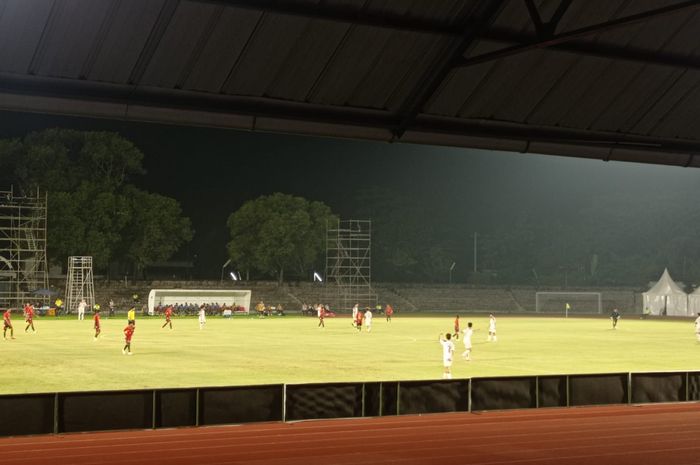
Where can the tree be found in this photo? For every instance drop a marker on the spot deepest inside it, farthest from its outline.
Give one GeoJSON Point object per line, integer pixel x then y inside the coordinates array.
{"type": "Point", "coordinates": [92, 207]}
{"type": "Point", "coordinates": [155, 230]}
{"type": "Point", "coordinates": [276, 233]}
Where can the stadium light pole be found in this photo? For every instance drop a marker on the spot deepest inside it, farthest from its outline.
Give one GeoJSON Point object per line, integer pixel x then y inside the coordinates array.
{"type": "Point", "coordinates": [222, 270]}
{"type": "Point", "coordinates": [452, 268]}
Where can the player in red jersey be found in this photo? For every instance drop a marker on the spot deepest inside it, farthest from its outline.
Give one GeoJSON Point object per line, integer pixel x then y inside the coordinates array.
{"type": "Point", "coordinates": [321, 312]}
{"type": "Point", "coordinates": [168, 315]}
{"type": "Point", "coordinates": [388, 312]}
{"type": "Point", "coordinates": [128, 333]}
{"type": "Point", "coordinates": [456, 333]}
{"type": "Point", "coordinates": [29, 317]}
{"type": "Point", "coordinates": [358, 320]}
{"type": "Point", "coordinates": [6, 323]}
{"type": "Point", "coordinates": [96, 320]}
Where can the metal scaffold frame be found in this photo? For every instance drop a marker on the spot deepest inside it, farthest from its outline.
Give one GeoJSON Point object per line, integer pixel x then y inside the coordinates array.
{"type": "Point", "coordinates": [79, 283]}
{"type": "Point", "coordinates": [23, 264]}
{"type": "Point", "coordinates": [349, 264]}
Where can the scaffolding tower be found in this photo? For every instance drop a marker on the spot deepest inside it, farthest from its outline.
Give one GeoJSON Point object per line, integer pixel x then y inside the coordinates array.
{"type": "Point", "coordinates": [79, 283]}
{"type": "Point", "coordinates": [349, 264]}
{"type": "Point", "coordinates": [23, 267]}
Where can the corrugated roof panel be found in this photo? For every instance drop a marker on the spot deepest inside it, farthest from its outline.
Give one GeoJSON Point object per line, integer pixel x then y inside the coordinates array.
{"type": "Point", "coordinates": [449, 11]}
{"type": "Point", "coordinates": [70, 37]}
{"type": "Point", "coordinates": [600, 95]}
{"type": "Point", "coordinates": [661, 108]}
{"type": "Point", "coordinates": [459, 85]}
{"type": "Point", "coordinates": [133, 22]}
{"type": "Point", "coordinates": [636, 98]}
{"type": "Point", "coordinates": [582, 13]}
{"type": "Point", "coordinates": [350, 64]}
{"type": "Point", "coordinates": [222, 50]}
{"type": "Point", "coordinates": [178, 43]}
{"type": "Point", "coordinates": [682, 120]}
{"type": "Point", "coordinates": [494, 88]}
{"type": "Point", "coordinates": [307, 60]}
{"type": "Point", "coordinates": [685, 39]}
{"type": "Point", "coordinates": [411, 79]}
{"type": "Point", "coordinates": [398, 55]}
{"type": "Point", "coordinates": [21, 25]}
{"type": "Point", "coordinates": [568, 90]}
{"type": "Point", "coordinates": [514, 16]}
{"type": "Point", "coordinates": [532, 85]}
{"type": "Point", "coordinates": [266, 53]}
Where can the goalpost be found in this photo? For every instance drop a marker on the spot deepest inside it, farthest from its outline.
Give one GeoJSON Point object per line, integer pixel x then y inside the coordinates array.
{"type": "Point", "coordinates": [576, 303]}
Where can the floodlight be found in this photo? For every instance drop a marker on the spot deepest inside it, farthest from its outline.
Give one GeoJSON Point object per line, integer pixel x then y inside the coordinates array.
{"type": "Point", "coordinates": [317, 277]}
{"type": "Point", "coordinates": [233, 276]}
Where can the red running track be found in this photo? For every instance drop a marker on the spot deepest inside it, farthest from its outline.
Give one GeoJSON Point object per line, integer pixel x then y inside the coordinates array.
{"type": "Point", "coordinates": [667, 434]}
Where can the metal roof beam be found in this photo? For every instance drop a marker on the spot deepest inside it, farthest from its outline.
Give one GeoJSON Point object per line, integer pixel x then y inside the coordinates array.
{"type": "Point", "coordinates": [346, 14]}
{"type": "Point", "coordinates": [587, 31]}
{"type": "Point", "coordinates": [441, 69]}
{"type": "Point", "coordinates": [601, 50]}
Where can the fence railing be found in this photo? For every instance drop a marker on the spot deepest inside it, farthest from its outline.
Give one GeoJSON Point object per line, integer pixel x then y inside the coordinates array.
{"type": "Point", "coordinates": [66, 412]}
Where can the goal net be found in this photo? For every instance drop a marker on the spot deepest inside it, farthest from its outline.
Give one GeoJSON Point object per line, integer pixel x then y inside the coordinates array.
{"type": "Point", "coordinates": [569, 303]}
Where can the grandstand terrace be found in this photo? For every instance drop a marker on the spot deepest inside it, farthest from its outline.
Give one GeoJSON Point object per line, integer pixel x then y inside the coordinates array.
{"type": "Point", "coordinates": [405, 297]}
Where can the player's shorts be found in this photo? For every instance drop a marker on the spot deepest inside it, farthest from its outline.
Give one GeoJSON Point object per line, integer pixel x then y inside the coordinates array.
{"type": "Point", "coordinates": [468, 346]}
{"type": "Point", "coordinates": [29, 321]}
{"type": "Point", "coordinates": [359, 325]}
{"type": "Point", "coordinates": [447, 363]}
{"type": "Point", "coordinates": [167, 319]}
{"type": "Point", "coordinates": [5, 325]}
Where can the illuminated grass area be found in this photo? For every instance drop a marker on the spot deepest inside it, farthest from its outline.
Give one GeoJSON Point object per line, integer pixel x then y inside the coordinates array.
{"type": "Point", "coordinates": [62, 356]}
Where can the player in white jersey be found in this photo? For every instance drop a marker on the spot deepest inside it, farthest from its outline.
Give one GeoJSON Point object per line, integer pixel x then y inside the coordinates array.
{"type": "Point", "coordinates": [697, 327]}
{"type": "Point", "coordinates": [202, 317]}
{"type": "Point", "coordinates": [468, 331]}
{"type": "Point", "coordinates": [355, 309]}
{"type": "Point", "coordinates": [448, 350]}
{"type": "Point", "coordinates": [492, 328]}
{"type": "Point", "coordinates": [368, 320]}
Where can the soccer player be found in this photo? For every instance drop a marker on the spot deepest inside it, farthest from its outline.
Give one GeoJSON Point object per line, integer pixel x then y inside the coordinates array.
{"type": "Point", "coordinates": [492, 328]}
{"type": "Point", "coordinates": [355, 309]}
{"type": "Point", "coordinates": [168, 315]}
{"type": "Point", "coordinates": [202, 317]}
{"type": "Point", "coordinates": [7, 324]}
{"type": "Point", "coordinates": [388, 312]}
{"type": "Point", "coordinates": [131, 316]}
{"type": "Point", "coordinates": [467, 354]}
{"type": "Point", "coordinates": [456, 333]}
{"type": "Point", "coordinates": [368, 320]}
{"type": "Point", "coordinates": [128, 333]}
{"type": "Point", "coordinates": [697, 327]}
{"type": "Point", "coordinates": [96, 322]}
{"type": "Point", "coordinates": [358, 319]}
{"type": "Point", "coordinates": [448, 349]}
{"type": "Point", "coordinates": [29, 317]}
{"type": "Point", "coordinates": [614, 317]}
{"type": "Point", "coordinates": [81, 309]}
{"type": "Point", "coordinates": [321, 313]}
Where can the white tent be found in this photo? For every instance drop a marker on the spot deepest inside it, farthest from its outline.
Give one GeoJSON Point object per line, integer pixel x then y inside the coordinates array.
{"type": "Point", "coordinates": [666, 298]}
{"type": "Point", "coordinates": [694, 302]}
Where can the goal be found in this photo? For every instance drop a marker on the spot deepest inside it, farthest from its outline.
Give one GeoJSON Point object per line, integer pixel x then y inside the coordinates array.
{"type": "Point", "coordinates": [569, 303]}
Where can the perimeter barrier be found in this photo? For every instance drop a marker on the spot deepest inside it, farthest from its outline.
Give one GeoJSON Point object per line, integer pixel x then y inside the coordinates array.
{"type": "Point", "coordinates": [67, 412]}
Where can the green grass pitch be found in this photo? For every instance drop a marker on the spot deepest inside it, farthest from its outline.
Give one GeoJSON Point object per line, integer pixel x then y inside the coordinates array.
{"type": "Point", "coordinates": [62, 355]}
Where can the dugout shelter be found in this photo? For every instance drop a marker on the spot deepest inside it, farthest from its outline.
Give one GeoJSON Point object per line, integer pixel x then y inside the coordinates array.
{"type": "Point", "coordinates": [228, 297]}
{"type": "Point", "coordinates": [666, 298]}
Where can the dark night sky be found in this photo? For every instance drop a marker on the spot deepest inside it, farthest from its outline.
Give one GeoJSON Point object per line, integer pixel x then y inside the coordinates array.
{"type": "Point", "coordinates": [212, 172]}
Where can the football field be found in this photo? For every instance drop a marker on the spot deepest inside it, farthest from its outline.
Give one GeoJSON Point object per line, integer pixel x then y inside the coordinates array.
{"type": "Point", "coordinates": [62, 355]}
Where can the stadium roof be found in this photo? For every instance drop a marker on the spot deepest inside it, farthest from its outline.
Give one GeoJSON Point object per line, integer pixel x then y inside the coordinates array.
{"type": "Point", "coordinates": [604, 79]}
